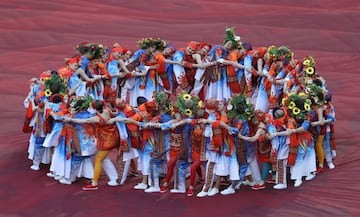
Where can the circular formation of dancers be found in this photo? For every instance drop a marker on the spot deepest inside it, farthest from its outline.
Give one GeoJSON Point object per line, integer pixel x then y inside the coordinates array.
{"type": "Point", "coordinates": [215, 114]}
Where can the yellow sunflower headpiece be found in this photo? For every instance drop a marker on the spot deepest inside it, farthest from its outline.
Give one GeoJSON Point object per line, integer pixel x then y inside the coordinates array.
{"type": "Point", "coordinates": [298, 105]}
{"type": "Point", "coordinates": [187, 104]}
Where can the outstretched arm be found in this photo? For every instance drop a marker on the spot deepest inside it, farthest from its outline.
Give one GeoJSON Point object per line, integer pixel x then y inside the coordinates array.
{"type": "Point", "coordinates": [254, 138]}
{"type": "Point", "coordinates": [91, 120]}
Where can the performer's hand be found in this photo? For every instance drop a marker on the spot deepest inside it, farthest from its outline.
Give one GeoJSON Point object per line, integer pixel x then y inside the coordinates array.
{"type": "Point", "coordinates": [221, 61]}
{"type": "Point", "coordinates": [66, 119]}
{"type": "Point", "coordinates": [271, 136]}
{"type": "Point", "coordinates": [111, 121]}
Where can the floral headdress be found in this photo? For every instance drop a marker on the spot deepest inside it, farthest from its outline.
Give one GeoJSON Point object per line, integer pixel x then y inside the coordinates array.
{"type": "Point", "coordinates": [163, 102]}
{"type": "Point", "coordinates": [96, 50]}
{"type": "Point", "coordinates": [316, 94]}
{"type": "Point", "coordinates": [298, 106]}
{"type": "Point", "coordinates": [83, 47]}
{"type": "Point", "coordinates": [285, 53]}
{"type": "Point", "coordinates": [55, 85]}
{"type": "Point", "coordinates": [309, 65]}
{"type": "Point", "coordinates": [146, 42]}
{"type": "Point", "coordinates": [230, 36]}
{"type": "Point", "coordinates": [84, 105]}
{"type": "Point", "coordinates": [160, 44]}
{"type": "Point", "coordinates": [272, 53]}
{"type": "Point", "coordinates": [240, 107]}
{"type": "Point", "coordinates": [188, 104]}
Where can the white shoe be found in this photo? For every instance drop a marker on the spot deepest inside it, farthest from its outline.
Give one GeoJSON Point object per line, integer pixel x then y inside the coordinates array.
{"type": "Point", "coordinates": [229, 190]}
{"type": "Point", "coordinates": [237, 186]}
{"type": "Point", "coordinates": [113, 183]}
{"type": "Point", "coordinates": [202, 194]}
{"type": "Point", "coordinates": [141, 186]}
{"type": "Point", "coordinates": [50, 174]}
{"type": "Point", "coordinates": [213, 192]}
{"type": "Point", "coordinates": [177, 191]}
{"type": "Point", "coordinates": [152, 190]}
{"type": "Point", "coordinates": [297, 183]}
{"type": "Point", "coordinates": [35, 167]}
{"type": "Point", "coordinates": [247, 182]}
{"type": "Point", "coordinates": [57, 177]}
{"type": "Point", "coordinates": [331, 165]}
{"type": "Point", "coordinates": [65, 181]}
{"type": "Point", "coordinates": [311, 176]}
{"type": "Point", "coordinates": [280, 186]}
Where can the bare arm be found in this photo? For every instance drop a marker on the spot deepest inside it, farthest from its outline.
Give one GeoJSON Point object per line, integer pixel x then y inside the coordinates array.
{"type": "Point", "coordinates": [91, 120]}
{"type": "Point", "coordinates": [225, 126]}
{"type": "Point", "coordinates": [123, 67]}
{"type": "Point", "coordinates": [254, 138]}
{"type": "Point", "coordinates": [82, 74]}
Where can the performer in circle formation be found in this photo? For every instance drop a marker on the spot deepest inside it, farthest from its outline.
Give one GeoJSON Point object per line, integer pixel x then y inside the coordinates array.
{"type": "Point", "coordinates": [228, 114]}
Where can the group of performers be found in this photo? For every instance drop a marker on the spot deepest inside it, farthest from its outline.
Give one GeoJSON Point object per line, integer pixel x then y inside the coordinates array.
{"type": "Point", "coordinates": [210, 113]}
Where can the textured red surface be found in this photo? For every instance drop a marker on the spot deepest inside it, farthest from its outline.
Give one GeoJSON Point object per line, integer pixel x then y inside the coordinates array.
{"type": "Point", "coordinates": [37, 35]}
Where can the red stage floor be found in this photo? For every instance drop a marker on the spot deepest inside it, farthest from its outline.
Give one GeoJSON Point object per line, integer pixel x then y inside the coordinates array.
{"type": "Point", "coordinates": [37, 35]}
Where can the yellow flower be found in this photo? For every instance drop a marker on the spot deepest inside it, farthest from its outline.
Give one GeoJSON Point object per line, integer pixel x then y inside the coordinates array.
{"type": "Point", "coordinates": [307, 107]}
{"type": "Point", "coordinates": [48, 92]}
{"type": "Point", "coordinates": [291, 94]}
{"type": "Point", "coordinates": [187, 97]}
{"type": "Point", "coordinates": [296, 111]}
{"type": "Point", "coordinates": [292, 105]}
{"type": "Point", "coordinates": [306, 62]}
{"type": "Point", "coordinates": [188, 112]}
{"type": "Point", "coordinates": [310, 70]}
{"type": "Point", "coordinates": [302, 94]}
{"type": "Point", "coordinates": [283, 101]}
{"type": "Point", "coordinates": [200, 104]}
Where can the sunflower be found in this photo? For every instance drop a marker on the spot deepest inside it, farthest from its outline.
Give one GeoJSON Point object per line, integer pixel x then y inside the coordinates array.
{"type": "Point", "coordinates": [200, 104]}
{"type": "Point", "coordinates": [291, 94]}
{"type": "Point", "coordinates": [310, 70]}
{"type": "Point", "coordinates": [283, 101]}
{"type": "Point", "coordinates": [296, 111]}
{"type": "Point", "coordinates": [188, 112]}
{"type": "Point", "coordinates": [307, 107]}
{"type": "Point", "coordinates": [187, 97]}
{"type": "Point", "coordinates": [292, 105]}
{"type": "Point", "coordinates": [306, 62]}
{"type": "Point", "coordinates": [48, 92]}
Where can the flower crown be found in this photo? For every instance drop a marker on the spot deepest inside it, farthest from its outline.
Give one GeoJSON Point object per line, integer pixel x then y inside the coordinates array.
{"type": "Point", "coordinates": [298, 106]}
{"type": "Point", "coordinates": [55, 85]}
{"type": "Point", "coordinates": [316, 94]}
{"type": "Point", "coordinates": [84, 105]}
{"type": "Point", "coordinates": [188, 104]}
{"type": "Point", "coordinates": [240, 107]}
{"type": "Point", "coordinates": [285, 53]}
{"type": "Point", "coordinates": [97, 50]}
{"type": "Point", "coordinates": [162, 100]}
{"type": "Point", "coordinates": [230, 36]}
{"type": "Point", "coordinates": [272, 53]}
{"type": "Point", "coordinates": [309, 65]}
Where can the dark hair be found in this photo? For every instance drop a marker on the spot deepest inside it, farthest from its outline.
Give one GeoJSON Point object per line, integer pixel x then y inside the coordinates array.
{"type": "Point", "coordinates": [275, 112]}
{"type": "Point", "coordinates": [99, 105]}
{"type": "Point", "coordinates": [317, 82]}
{"type": "Point", "coordinates": [56, 99]}
{"type": "Point", "coordinates": [140, 100]}
{"type": "Point", "coordinates": [55, 88]}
